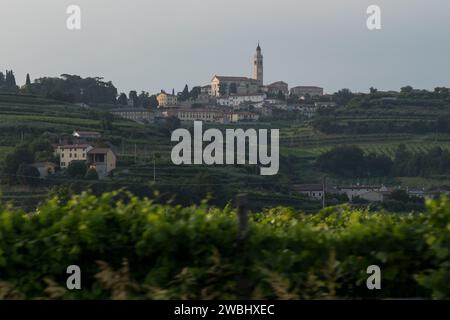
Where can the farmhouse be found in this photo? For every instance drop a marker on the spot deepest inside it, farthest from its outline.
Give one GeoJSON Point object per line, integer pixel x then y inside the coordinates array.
{"type": "Point", "coordinates": [313, 191]}
{"type": "Point", "coordinates": [71, 152]}
{"type": "Point", "coordinates": [103, 160]}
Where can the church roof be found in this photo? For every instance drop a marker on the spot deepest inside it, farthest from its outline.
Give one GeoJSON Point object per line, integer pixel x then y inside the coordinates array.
{"type": "Point", "coordinates": [228, 78]}
{"type": "Point", "coordinates": [234, 79]}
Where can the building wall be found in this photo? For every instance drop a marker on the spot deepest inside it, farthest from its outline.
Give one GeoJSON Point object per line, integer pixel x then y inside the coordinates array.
{"type": "Point", "coordinates": [111, 161]}
{"type": "Point", "coordinates": [71, 153]}
{"type": "Point", "coordinates": [302, 91]}
{"type": "Point", "coordinates": [104, 168]}
{"type": "Point", "coordinates": [317, 195]}
{"type": "Point", "coordinates": [234, 101]}
{"type": "Point", "coordinates": [135, 115]}
{"type": "Point", "coordinates": [243, 87]}
{"type": "Point", "coordinates": [165, 99]}
{"type": "Point", "coordinates": [275, 88]}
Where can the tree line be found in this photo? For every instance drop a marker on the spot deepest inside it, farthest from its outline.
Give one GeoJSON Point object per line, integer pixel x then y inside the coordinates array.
{"type": "Point", "coordinates": [8, 82]}
{"type": "Point", "coordinates": [352, 162]}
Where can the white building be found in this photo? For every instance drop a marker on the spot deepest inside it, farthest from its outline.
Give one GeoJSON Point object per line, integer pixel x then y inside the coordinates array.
{"type": "Point", "coordinates": [362, 191]}
{"type": "Point", "coordinates": [301, 91]}
{"type": "Point", "coordinates": [210, 115]}
{"type": "Point", "coordinates": [135, 114]}
{"type": "Point", "coordinates": [237, 100]}
{"type": "Point", "coordinates": [313, 191]}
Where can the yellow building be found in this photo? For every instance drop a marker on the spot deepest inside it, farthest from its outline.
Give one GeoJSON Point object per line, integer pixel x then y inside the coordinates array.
{"type": "Point", "coordinates": [165, 99]}
{"type": "Point", "coordinates": [73, 152]}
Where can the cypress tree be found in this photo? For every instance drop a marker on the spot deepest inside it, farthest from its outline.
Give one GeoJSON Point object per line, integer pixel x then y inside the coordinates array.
{"type": "Point", "coordinates": [28, 82]}
{"type": "Point", "coordinates": [10, 81]}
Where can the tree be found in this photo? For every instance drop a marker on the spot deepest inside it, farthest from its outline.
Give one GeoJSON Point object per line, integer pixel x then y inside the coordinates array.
{"type": "Point", "coordinates": [77, 169]}
{"type": "Point", "coordinates": [145, 100]}
{"type": "Point", "coordinates": [28, 175]}
{"type": "Point", "coordinates": [28, 81]}
{"type": "Point", "coordinates": [42, 150]}
{"type": "Point", "coordinates": [184, 94]}
{"type": "Point", "coordinates": [153, 102]}
{"type": "Point", "coordinates": [73, 88]}
{"type": "Point", "coordinates": [195, 92]}
{"type": "Point", "coordinates": [343, 96]}
{"type": "Point", "coordinates": [406, 90]}
{"type": "Point", "coordinates": [91, 174]}
{"type": "Point", "coordinates": [346, 161]}
{"type": "Point", "coordinates": [10, 80]}
{"type": "Point", "coordinates": [20, 155]}
{"type": "Point", "coordinates": [134, 98]}
{"type": "Point", "coordinates": [122, 100]}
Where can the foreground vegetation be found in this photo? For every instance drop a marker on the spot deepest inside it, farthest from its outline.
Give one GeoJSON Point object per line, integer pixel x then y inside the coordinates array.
{"type": "Point", "coordinates": [137, 249]}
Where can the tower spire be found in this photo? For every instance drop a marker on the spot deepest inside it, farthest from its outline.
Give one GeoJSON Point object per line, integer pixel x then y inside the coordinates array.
{"type": "Point", "coordinates": [258, 67]}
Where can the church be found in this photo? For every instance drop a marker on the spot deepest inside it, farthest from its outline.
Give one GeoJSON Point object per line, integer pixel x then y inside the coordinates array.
{"type": "Point", "coordinates": [225, 85]}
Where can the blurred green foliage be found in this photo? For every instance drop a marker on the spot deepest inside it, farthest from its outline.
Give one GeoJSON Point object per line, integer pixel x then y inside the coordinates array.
{"type": "Point", "coordinates": [129, 248]}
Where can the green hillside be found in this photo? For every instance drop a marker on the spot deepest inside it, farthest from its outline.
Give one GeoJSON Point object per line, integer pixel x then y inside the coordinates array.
{"type": "Point", "coordinates": [371, 122]}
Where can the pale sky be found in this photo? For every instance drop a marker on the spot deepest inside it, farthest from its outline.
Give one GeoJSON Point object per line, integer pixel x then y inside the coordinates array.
{"type": "Point", "coordinates": [163, 44]}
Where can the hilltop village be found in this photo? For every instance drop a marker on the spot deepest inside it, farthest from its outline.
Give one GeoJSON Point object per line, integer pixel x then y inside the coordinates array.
{"type": "Point", "coordinates": [232, 99]}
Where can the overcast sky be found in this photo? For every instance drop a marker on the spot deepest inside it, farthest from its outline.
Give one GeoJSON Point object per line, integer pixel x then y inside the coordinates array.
{"type": "Point", "coordinates": [163, 44]}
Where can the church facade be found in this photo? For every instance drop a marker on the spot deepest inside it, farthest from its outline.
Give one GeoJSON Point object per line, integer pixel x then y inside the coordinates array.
{"type": "Point", "coordinates": [225, 85]}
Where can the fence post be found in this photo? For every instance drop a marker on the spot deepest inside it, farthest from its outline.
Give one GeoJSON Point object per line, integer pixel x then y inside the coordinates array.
{"type": "Point", "coordinates": [241, 204]}
{"type": "Point", "coordinates": [244, 285]}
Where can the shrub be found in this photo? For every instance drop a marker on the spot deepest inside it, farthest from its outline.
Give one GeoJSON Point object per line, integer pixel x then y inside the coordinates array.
{"type": "Point", "coordinates": [136, 249]}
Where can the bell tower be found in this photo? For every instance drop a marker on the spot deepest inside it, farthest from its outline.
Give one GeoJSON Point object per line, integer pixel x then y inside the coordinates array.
{"type": "Point", "coordinates": [258, 66]}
